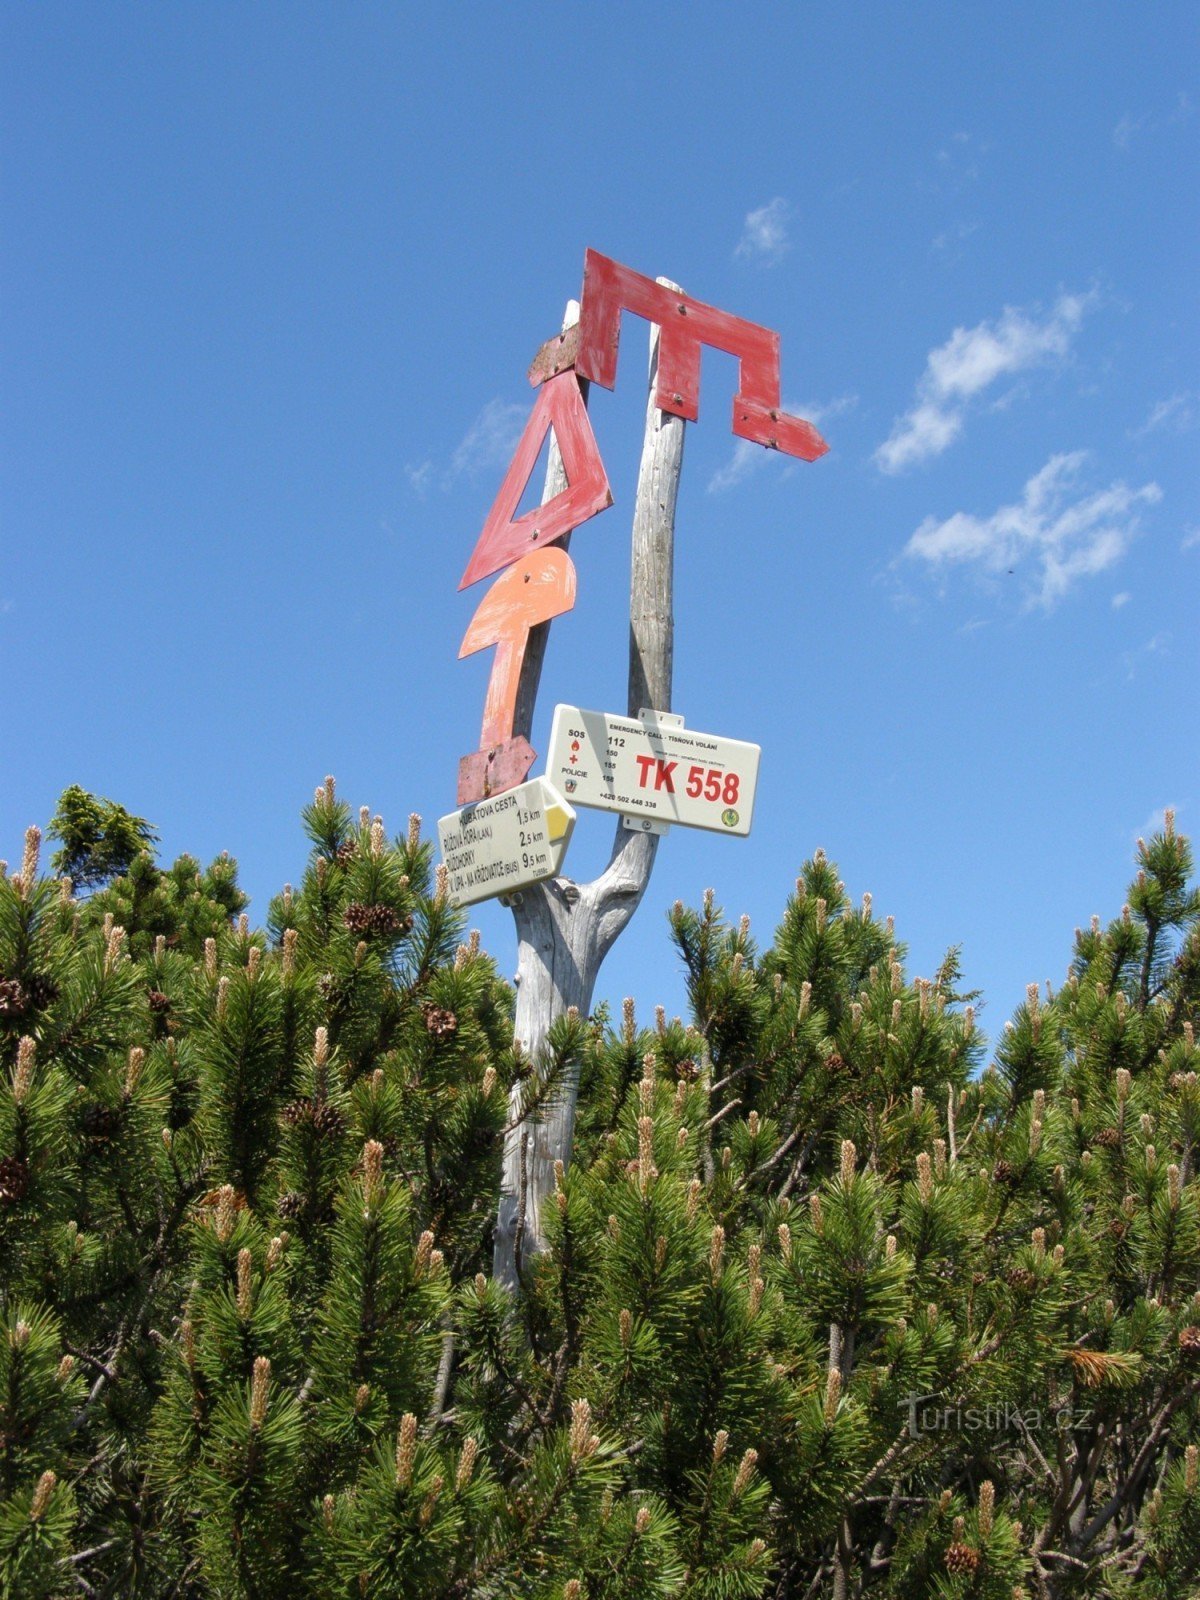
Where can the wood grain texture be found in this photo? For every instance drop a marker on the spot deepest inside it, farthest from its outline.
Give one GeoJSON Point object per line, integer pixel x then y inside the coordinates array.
{"type": "Point", "coordinates": [564, 929]}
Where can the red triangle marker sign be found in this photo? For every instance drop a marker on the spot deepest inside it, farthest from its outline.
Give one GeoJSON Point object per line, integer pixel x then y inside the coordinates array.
{"type": "Point", "coordinates": [560, 406]}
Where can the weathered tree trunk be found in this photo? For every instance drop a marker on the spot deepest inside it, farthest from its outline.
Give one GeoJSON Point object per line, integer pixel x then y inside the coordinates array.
{"type": "Point", "coordinates": [564, 929]}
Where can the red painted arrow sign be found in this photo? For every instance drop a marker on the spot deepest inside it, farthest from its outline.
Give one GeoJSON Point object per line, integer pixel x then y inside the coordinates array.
{"type": "Point", "coordinates": [505, 536]}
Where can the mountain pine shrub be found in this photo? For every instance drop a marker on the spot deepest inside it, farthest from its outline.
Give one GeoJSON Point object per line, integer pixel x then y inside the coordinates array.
{"type": "Point", "coordinates": [835, 1303]}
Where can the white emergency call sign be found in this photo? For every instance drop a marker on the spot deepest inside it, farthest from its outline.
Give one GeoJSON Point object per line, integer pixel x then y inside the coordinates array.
{"type": "Point", "coordinates": [655, 769]}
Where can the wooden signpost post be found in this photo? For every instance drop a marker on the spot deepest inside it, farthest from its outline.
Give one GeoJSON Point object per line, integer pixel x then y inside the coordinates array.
{"type": "Point", "coordinates": [646, 766]}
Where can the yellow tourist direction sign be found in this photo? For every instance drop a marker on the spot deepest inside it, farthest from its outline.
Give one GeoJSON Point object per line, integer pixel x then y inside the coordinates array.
{"type": "Point", "coordinates": [652, 769]}
{"type": "Point", "coordinates": [505, 842]}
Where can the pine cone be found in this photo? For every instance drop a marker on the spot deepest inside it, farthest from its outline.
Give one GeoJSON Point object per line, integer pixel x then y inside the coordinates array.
{"type": "Point", "coordinates": [14, 1180]}
{"type": "Point", "coordinates": [688, 1070]}
{"type": "Point", "coordinates": [440, 1022]}
{"type": "Point", "coordinates": [327, 1120]}
{"type": "Point", "coordinates": [12, 998]}
{"type": "Point", "coordinates": [291, 1205]}
{"type": "Point", "coordinates": [1021, 1278]}
{"type": "Point", "coordinates": [335, 991]}
{"type": "Point", "coordinates": [297, 1111]}
{"type": "Point", "coordinates": [159, 1001]}
{"type": "Point", "coordinates": [979, 1279]}
{"type": "Point", "coordinates": [345, 853]}
{"type": "Point", "coordinates": [372, 922]}
{"type": "Point", "coordinates": [1004, 1172]}
{"type": "Point", "coordinates": [99, 1121]}
{"type": "Point", "coordinates": [41, 990]}
{"type": "Point", "coordinates": [1189, 1342]}
{"type": "Point", "coordinates": [834, 1062]}
{"type": "Point", "coordinates": [1107, 1138]}
{"type": "Point", "coordinates": [961, 1558]}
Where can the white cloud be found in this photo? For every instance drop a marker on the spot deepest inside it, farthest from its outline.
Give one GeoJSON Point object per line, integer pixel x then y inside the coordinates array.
{"type": "Point", "coordinates": [419, 477]}
{"type": "Point", "coordinates": [748, 458]}
{"type": "Point", "coordinates": [1177, 413]}
{"type": "Point", "coordinates": [1156, 822]}
{"type": "Point", "coordinates": [1152, 122]}
{"type": "Point", "coordinates": [764, 233]}
{"type": "Point", "coordinates": [491, 438]}
{"type": "Point", "coordinates": [1054, 533]}
{"type": "Point", "coordinates": [969, 361]}
{"type": "Point", "coordinates": [1190, 539]}
{"type": "Point", "coordinates": [1122, 599]}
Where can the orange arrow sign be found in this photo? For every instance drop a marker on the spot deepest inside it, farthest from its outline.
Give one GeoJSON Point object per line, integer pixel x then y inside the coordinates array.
{"type": "Point", "coordinates": [538, 587]}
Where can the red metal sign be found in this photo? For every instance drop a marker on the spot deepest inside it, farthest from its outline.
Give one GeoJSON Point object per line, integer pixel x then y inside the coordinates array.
{"type": "Point", "coordinates": [560, 406]}
{"type": "Point", "coordinates": [687, 325]}
{"type": "Point", "coordinates": [541, 584]}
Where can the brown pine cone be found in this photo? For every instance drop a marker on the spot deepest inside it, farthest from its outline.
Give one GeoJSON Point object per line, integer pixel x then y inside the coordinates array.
{"type": "Point", "coordinates": [14, 1180]}
{"type": "Point", "coordinates": [13, 999]}
{"type": "Point", "coordinates": [345, 853]}
{"type": "Point", "coordinates": [688, 1070]}
{"type": "Point", "coordinates": [1189, 1342]}
{"type": "Point", "coordinates": [41, 990]}
{"type": "Point", "coordinates": [295, 1111]}
{"type": "Point", "coordinates": [1118, 1229]}
{"type": "Point", "coordinates": [1004, 1172]}
{"type": "Point", "coordinates": [440, 1022]}
{"type": "Point", "coordinates": [1107, 1138]}
{"type": "Point", "coordinates": [834, 1062]}
{"type": "Point", "coordinates": [372, 922]}
{"type": "Point", "coordinates": [291, 1205]}
{"type": "Point", "coordinates": [1021, 1278]}
{"type": "Point", "coordinates": [159, 1001]}
{"type": "Point", "coordinates": [327, 1120]}
{"type": "Point", "coordinates": [961, 1558]}
{"type": "Point", "coordinates": [99, 1121]}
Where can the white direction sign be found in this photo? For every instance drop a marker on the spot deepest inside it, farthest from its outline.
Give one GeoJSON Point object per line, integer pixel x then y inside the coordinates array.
{"type": "Point", "coordinates": [650, 767]}
{"type": "Point", "coordinates": [505, 842]}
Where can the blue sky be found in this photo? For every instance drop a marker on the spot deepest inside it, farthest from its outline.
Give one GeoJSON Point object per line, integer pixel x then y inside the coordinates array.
{"type": "Point", "coordinates": [271, 277]}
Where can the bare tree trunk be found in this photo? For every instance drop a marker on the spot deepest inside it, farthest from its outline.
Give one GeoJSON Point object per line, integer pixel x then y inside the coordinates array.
{"type": "Point", "coordinates": [564, 929]}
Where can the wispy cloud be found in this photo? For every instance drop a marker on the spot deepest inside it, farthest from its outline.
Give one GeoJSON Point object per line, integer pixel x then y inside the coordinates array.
{"type": "Point", "coordinates": [1122, 599]}
{"type": "Point", "coordinates": [1156, 822]}
{"type": "Point", "coordinates": [491, 438]}
{"type": "Point", "coordinates": [1158, 644]}
{"type": "Point", "coordinates": [765, 233]}
{"type": "Point", "coordinates": [1129, 127]}
{"type": "Point", "coordinates": [748, 458]}
{"type": "Point", "coordinates": [487, 444]}
{"type": "Point", "coordinates": [1177, 413]}
{"type": "Point", "coordinates": [1055, 535]}
{"type": "Point", "coordinates": [971, 359]}
{"type": "Point", "coordinates": [420, 477]}
{"type": "Point", "coordinates": [1191, 539]}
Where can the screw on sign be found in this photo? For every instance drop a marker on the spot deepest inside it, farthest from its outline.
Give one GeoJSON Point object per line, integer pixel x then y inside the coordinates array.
{"type": "Point", "coordinates": [687, 325]}
{"type": "Point", "coordinates": [650, 767]}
